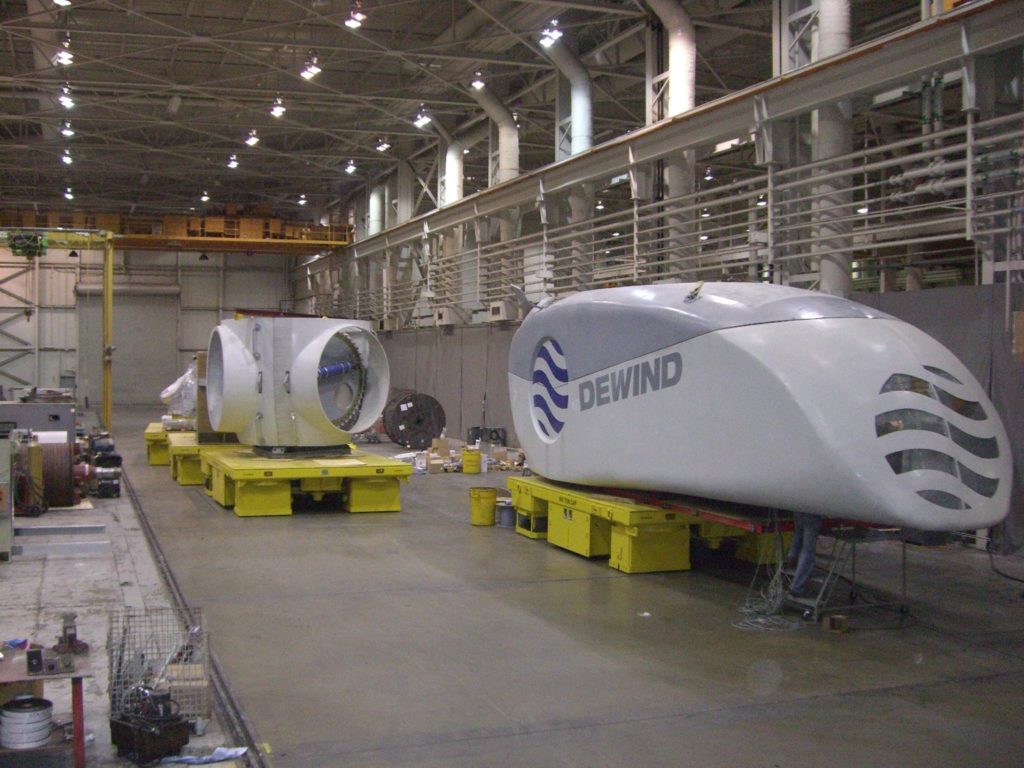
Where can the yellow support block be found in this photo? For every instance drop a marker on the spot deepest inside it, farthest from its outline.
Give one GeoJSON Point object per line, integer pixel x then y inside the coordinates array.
{"type": "Point", "coordinates": [650, 548]}
{"type": "Point", "coordinates": [263, 498]}
{"type": "Point", "coordinates": [155, 436]}
{"type": "Point", "coordinates": [578, 531]}
{"type": "Point", "coordinates": [759, 548]}
{"type": "Point", "coordinates": [373, 494]}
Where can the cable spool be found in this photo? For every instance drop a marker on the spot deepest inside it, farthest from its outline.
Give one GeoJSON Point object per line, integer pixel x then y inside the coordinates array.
{"type": "Point", "coordinates": [58, 480]}
{"type": "Point", "coordinates": [413, 420]}
{"type": "Point", "coordinates": [25, 723]}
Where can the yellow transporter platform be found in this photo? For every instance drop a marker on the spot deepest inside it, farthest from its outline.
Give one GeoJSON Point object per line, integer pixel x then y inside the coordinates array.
{"type": "Point", "coordinates": [188, 457]}
{"type": "Point", "coordinates": [636, 537]}
{"type": "Point", "coordinates": [156, 445]}
{"type": "Point", "coordinates": [257, 486]}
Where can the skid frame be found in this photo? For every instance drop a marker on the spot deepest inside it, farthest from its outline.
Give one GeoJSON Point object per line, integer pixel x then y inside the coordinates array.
{"type": "Point", "coordinates": [255, 486]}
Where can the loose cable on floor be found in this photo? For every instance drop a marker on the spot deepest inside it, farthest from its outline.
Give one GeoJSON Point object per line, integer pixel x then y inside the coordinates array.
{"type": "Point", "coordinates": [238, 725]}
{"type": "Point", "coordinates": [760, 612]}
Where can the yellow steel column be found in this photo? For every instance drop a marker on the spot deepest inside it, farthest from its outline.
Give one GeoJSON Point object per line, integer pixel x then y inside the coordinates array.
{"type": "Point", "coordinates": [108, 328]}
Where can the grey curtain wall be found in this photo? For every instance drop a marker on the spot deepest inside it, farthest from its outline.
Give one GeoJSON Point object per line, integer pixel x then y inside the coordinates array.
{"type": "Point", "coordinates": [971, 322]}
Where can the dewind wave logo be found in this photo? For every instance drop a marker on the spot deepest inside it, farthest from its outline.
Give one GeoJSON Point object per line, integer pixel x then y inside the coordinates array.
{"type": "Point", "coordinates": [547, 390]}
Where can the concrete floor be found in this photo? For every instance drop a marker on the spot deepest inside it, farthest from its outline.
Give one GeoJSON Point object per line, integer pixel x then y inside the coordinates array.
{"type": "Point", "coordinates": [415, 639]}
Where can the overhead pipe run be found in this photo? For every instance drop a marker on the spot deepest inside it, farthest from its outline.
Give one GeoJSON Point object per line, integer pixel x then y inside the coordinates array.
{"type": "Point", "coordinates": [832, 138]}
{"type": "Point", "coordinates": [682, 55]}
{"type": "Point", "coordinates": [375, 212]}
{"type": "Point", "coordinates": [454, 162]}
{"type": "Point", "coordinates": [508, 132]}
{"type": "Point", "coordinates": [581, 100]}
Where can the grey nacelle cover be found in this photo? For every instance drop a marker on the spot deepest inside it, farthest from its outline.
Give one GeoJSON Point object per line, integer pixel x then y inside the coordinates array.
{"type": "Point", "coordinates": [602, 328]}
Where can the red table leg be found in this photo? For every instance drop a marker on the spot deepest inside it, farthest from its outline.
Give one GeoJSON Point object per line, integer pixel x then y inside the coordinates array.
{"type": "Point", "coordinates": [77, 722]}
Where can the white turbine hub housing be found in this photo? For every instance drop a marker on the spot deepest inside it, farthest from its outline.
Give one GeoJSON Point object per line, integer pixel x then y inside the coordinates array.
{"type": "Point", "coordinates": [295, 382]}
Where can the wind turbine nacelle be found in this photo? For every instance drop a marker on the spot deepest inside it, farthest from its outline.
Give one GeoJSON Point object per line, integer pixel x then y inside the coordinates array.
{"type": "Point", "coordinates": [295, 382]}
{"type": "Point", "coordinates": [758, 394]}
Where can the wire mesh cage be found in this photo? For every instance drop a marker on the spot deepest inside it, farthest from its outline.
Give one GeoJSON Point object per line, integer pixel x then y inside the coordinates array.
{"type": "Point", "coordinates": [159, 664]}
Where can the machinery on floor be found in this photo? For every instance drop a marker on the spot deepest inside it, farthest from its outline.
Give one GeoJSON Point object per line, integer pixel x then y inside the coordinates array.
{"type": "Point", "coordinates": [289, 385]}
{"type": "Point", "coordinates": [758, 394]}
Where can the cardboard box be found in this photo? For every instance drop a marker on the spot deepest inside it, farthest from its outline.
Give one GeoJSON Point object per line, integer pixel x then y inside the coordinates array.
{"type": "Point", "coordinates": [435, 466]}
{"type": "Point", "coordinates": [439, 445]}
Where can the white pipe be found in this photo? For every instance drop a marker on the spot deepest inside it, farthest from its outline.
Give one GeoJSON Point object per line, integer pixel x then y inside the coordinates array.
{"type": "Point", "coordinates": [833, 138]}
{"type": "Point", "coordinates": [582, 119]}
{"type": "Point", "coordinates": [375, 216]}
{"type": "Point", "coordinates": [682, 54]}
{"type": "Point", "coordinates": [453, 162]}
{"type": "Point", "coordinates": [132, 289]}
{"type": "Point", "coordinates": [508, 133]}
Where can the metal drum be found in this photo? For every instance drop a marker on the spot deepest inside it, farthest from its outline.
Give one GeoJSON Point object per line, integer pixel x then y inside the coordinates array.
{"type": "Point", "coordinates": [25, 723]}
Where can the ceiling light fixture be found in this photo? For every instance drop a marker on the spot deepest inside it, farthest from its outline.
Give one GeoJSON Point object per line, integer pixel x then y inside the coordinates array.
{"type": "Point", "coordinates": [68, 195]}
{"type": "Point", "coordinates": [278, 109]}
{"type": "Point", "coordinates": [233, 161]}
{"type": "Point", "coordinates": [72, 254]}
{"type": "Point", "coordinates": [62, 3]}
{"type": "Point", "coordinates": [252, 139]}
{"type": "Point", "coordinates": [599, 206]}
{"type": "Point", "coordinates": [355, 18]}
{"type": "Point", "coordinates": [67, 130]}
{"type": "Point", "coordinates": [478, 81]}
{"type": "Point", "coordinates": [383, 145]}
{"type": "Point", "coordinates": [203, 256]}
{"type": "Point", "coordinates": [708, 175]}
{"type": "Point", "coordinates": [705, 213]}
{"type": "Point", "coordinates": [550, 34]}
{"type": "Point", "coordinates": [66, 157]}
{"type": "Point", "coordinates": [205, 197]}
{"type": "Point", "coordinates": [761, 201]}
{"type": "Point", "coordinates": [863, 209]}
{"type": "Point", "coordinates": [65, 97]}
{"type": "Point", "coordinates": [703, 237]}
{"type": "Point", "coordinates": [422, 120]}
{"type": "Point", "coordinates": [302, 199]}
{"type": "Point", "coordinates": [312, 68]}
{"type": "Point", "coordinates": [350, 168]}
{"type": "Point", "coordinates": [64, 56]}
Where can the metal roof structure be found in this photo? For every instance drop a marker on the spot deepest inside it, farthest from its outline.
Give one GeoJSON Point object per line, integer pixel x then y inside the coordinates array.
{"type": "Point", "coordinates": [165, 93]}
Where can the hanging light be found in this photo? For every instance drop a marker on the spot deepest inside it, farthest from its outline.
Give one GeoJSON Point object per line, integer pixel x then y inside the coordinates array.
{"type": "Point", "coordinates": [599, 206]}
{"type": "Point", "coordinates": [67, 131]}
{"type": "Point", "coordinates": [762, 201]}
{"type": "Point", "coordinates": [233, 161]}
{"type": "Point", "coordinates": [383, 145]}
{"type": "Point", "coordinates": [278, 109]}
{"type": "Point", "coordinates": [550, 34]}
{"type": "Point", "coordinates": [203, 256]}
{"type": "Point", "coordinates": [863, 209]}
{"type": "Point", "coordinates": [422, 119]}
{"type": "Point", "coordinates": [703, 237]}
{"type": "Point", "coordinates": [355, 18]}
{"type": "Point", "coordinates": [252, 139]}
{"type": "Point", "coordinates": [64, 56]}
{"type": "Point", "coordinates": [65, 97]}
{"type": "Point", "coordinates": [66, 157]}
{"type": "Point", "coordinates": [302, 199]}
{"type": "Point", "coordinates": [62, 3]}
{"type": "Point", "coordinates": [205, 197]}
{"type": "Point", "coordinates": [72, 254]}
{"type": "Point", "coordinates": [312, 68]}
{"type": "Point", "coordinates": [478, 81]}
{"type": "Point", "coordinates": [350, 168]}
{"type": "Point", "coordinates": [708, 175]}
{"type": "Point", "coordinates": [705, 213]}
{"type": "Point", "coordinates": [68, 195]}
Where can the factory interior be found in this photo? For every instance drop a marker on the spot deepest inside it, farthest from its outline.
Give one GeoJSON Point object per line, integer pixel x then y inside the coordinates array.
{"type": "Point", "coordinates": [511, 383]}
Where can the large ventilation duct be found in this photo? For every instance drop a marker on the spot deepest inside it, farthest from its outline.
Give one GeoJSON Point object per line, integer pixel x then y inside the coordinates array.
{"type": "Point", "coordinates": [832, 138]}
{"type": "Point", "coordinates": [295, 382]}
{"type": "Point", "coordinates": [682, 55]}
{"type": "Point", "coordinates": [375, 213]}
{"type": "Point", "coordinates": [582, 118]}
{"type": "Point", "coordinates": [508, 133]}
{"type": "Point", "coordinates": [453, 162]}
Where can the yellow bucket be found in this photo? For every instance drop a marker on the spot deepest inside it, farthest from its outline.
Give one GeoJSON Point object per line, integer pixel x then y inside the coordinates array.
{"type": "Point", "coordinates": [470, 461]}
{"type": "Point", "coordinates": [481, 505]}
